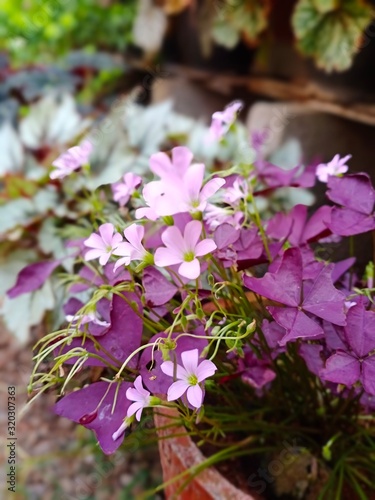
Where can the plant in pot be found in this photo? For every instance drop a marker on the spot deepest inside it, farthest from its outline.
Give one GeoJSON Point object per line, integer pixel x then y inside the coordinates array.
{"type": "Point", "coordinates": [197, 297]}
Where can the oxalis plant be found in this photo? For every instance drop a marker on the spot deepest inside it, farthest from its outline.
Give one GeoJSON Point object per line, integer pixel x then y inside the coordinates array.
{"type": "Point", "coordinates": [237, 316]}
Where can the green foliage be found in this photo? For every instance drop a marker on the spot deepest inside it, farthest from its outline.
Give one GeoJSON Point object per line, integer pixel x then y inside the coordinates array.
{"type": "Point", "coordinates": [330, 31]}
{"type": "Point", "coordinates": [40, 30]}
{"type": "Point", "coordinates": [247, 18]}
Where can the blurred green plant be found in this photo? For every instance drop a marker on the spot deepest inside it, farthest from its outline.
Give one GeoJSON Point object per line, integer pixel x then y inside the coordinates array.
{"type": "Point", "coordinates": [329, 31]}
{"type": "Point", "coordinates": [40, 30]}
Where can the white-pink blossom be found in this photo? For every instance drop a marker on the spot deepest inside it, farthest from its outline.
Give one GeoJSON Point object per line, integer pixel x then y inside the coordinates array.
{"type": "Point", "coordinates": [184, 249]}
{"type": "Point", "coordinates": [189, 377]}
{"type": "Point", "coordinates": [103, 244]}
{"type": "Point", "coordinates": [122, 191]}
{"type": "Point", "coordinates": [222, 120]}
{"type": "Point", "coordinates": [335, 167]}
{"type": "Point", "coordinates": [132, 249]}
{"type": "Point", "coordinates": [140, 396]}
{"type": "Point", "coordinates": [71, 160]}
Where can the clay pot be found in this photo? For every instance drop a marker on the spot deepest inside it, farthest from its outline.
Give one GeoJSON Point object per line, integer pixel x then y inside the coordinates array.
{"type": "Point", "coordinates": [178, 454]}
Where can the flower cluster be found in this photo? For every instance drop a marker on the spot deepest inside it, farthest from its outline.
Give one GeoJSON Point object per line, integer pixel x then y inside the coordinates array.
{"type": "Point", "coordinates": [194, 293]}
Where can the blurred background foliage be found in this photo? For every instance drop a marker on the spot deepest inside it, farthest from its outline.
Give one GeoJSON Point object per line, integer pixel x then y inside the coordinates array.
{"type": "Point", "coordinates": [40, 30]}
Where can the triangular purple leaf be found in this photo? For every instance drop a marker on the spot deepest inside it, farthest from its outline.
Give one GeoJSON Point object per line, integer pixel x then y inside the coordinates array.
{"type": "Point", "coordinates": [32, 277]}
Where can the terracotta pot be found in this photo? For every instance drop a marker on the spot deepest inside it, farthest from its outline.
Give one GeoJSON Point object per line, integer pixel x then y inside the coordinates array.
{"type": "Point", "coordinates": [178, 454]}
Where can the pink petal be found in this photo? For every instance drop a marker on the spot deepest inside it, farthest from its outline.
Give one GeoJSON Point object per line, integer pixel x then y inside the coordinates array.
{"type": "Point", "coordinates": [190, 270]}
{"type": "Point", "coordinates": [193, 180]}
{"type": "Point", "coordinates": [160, 164]}
{"type": "Point", "coordinates": [193, 230]}
{"type": "Point", "coordinates": [211, 188]}
{"type": "Point", "coordinates": [106, 232]}
{"type": "Point", "coordinates": [104, 258]}
{"type": "Point", "coordinates": [123, 250]}
{"type": "Point", "coordinates": [116, 239]}
{"type": "Point", "coordinates": [181, 158]}
{"type": "Point", "coordinates": [139, 414]}
{"type": "Point", "coordinates": [164, 257]}
{"type": "Point", "coordinates": [204, 247]}
{"type": "Point", "coordinates": [177, 389]}
{"type": "Point", "coordinates": [147, 213]}
{"type": "Point", "coordinates": [172, 238]}
{"type": "Point", "coordinates": [134, 234]}
{"type": "Point", "coordinates": [190, 361]}
{"type": "Point", "coordinates": [125, 261]}
{"type": "Point", "coordinates": [135, 407]}
{"type": "Point", "coordinates": [132, 181]}
{"type": "Point", "coordinates": [93, 254]}
{"type": "Point", "coordinates": [205, 369]}
{"type": "Point", "coordinates": [139, 386]}
{"type": "Point", "coordinates": [134, 395]}
{"type": "Point", "coordinates": [167, 367]}
{"type": "Point", "coordinates": [195, 396]}
{"type": "Point", "coordinates": [95, 241]}
{"type": "Point", "coordinates": [170, 202]}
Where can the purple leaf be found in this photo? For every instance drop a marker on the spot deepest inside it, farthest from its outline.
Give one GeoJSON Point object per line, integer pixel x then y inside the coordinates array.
{"type": "Point", "coordinates": [341, 268]}
{"type": "Point", "coordinates": [121, 339]}
{"type": "Point", "coordinates": [356, 196]}
{"type": "Point", "coordinates": [360, 329]}
{"type": "Point", "coordinates": [225, 235]}
{"type": "Point", "coordinates": [324, 300]}
{"type": "Point", "coordinates": [32, 277]}
{"type": "Point", "coordinates": [346, 222]}
{"type": "Point", "coordinates": [102, 417]}
{"type": "Point", "coordinates": [296, 323]}
{"type": "Point", "coordinates": [255, 372]}
{"type": "Point", "coordinates": [353, 191]}
{"type": "Point", "coordinates": [316, 296]}
{"type": "Point", "coordinates": [341, 368]}
{"type": "Point", "coordinates": [283, 286]}
{"type": "Point", "coordinates": [368, 374]}
{"type": "Point", "coordinates": [311, 354]}
{"type": "Point", "coordinates": [295, 227]}
{"type": "Point", "coordinates": [158, 290]}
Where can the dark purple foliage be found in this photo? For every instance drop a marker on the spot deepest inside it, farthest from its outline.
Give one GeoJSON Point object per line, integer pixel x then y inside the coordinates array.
{"type": "Point", "coordinates": [104, 417]}
{"type": "Point", "coordinates": [158, 290]}
{"type": "Point", "coordinates": [32, 277]}
{"type": "Point", "coordinates": [355, 360]}
{"type": "Point", "coordinates": [304, 298]}
{"type": "Point", "coordinates": [356, 196]}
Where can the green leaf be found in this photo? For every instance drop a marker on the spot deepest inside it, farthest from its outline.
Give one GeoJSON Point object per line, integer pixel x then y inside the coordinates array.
{"type": "Point", "coordinates": [225, 34]}
{"type": "Point", "coordinates": [324, 6]}
{"type": "Point", "coordinates": [331, 37]}
{"type": "Point", "coordinates": [247, 18]}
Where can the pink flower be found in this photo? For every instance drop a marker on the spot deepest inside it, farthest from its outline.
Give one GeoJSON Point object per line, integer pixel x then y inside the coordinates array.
{"type": "Point", "coordinates": [172, 195]}
{"type": "Point", "coordinates": [132, 249]}
{"type": "Point", "coordinates": [214, 216]}
{"type": "Point", "coordinates": [140, 396]}
{"type": "Point", "coordinates": [122, 191]}
{"type": "Point", "coordinates": [72, 159]}
{"type": "Point", "coordinates": [102, 244]}
{"type": "Point", "coordinates": [222, 120]}
{"type": "Point", "coordinates": [335, 167]}
{"type": "Point", "coordinates": [239, 191]}
{"type": "Point", "coordinates": [164, 167]}
{"type": "Point", "coordinates": [189, 377]}
{"type": "Point", "coordinates": [184, 249]}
